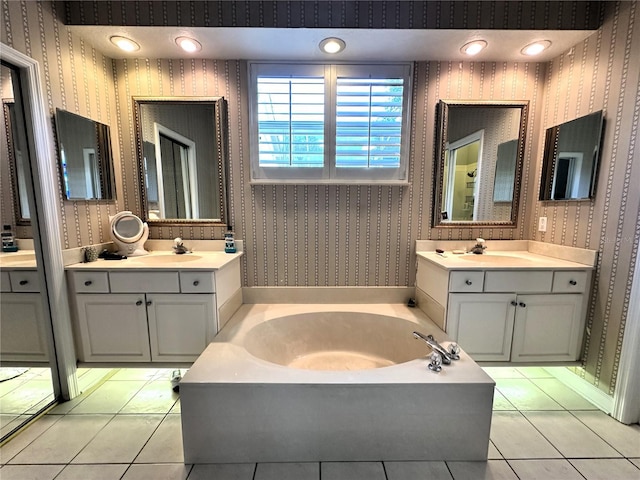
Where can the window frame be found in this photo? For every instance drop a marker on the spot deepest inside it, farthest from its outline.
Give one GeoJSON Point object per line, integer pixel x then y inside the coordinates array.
{"type": "Point", "coordinates": [330, 173]}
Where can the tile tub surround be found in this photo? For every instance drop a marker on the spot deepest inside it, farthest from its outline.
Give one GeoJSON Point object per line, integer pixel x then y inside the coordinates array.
{"type": "Point", "coordinates": [238, 408]}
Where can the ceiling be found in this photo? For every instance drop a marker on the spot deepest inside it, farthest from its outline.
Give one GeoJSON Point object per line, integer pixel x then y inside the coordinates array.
{"type": "Point", "coordinates": [302, 43]}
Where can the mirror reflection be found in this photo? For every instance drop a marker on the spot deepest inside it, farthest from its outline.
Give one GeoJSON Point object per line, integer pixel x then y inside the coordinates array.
{"type": "Point", "coordinates": [182, 154]}
{"type": "Point", "coordinates": [479, 164]}
{"type": "Point", "coordinates": [84, 150]}
{"type": "Point", "coordinates": [571, 158]}
{"type": "Point", "coordinates": [16, 156]}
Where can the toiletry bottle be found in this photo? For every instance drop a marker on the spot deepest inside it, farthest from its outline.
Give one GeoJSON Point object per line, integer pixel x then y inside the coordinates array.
{"type": "Point", "coordinates": [8, 240]}
{"type": "Point", "coordinates": [229, 243]}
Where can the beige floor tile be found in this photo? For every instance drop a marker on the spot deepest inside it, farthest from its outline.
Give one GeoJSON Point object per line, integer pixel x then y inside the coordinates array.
{"type": "Point", "coordinates": [525, 395]}
{"type": "Point", "coordinates": [135, 374]}
{"type": "Point", "coordinates": [502, 372]}
{"type": "Point", "coordinates": [109, 397]}
{"type": "Point", "coordinates": [417, 471]}
{"type": "Point", "coordinates": [494, 453]}
{"type": "Point", "coordinates": [30, 472]}
{"type": "Point", "coordinates": [516, 438]}
{"type": "Point", "coordinates": [624, 438]}
{"type": "Point", "coordinates": [176, 407]}
{"type": "Point", "coordinates": [287, 471]}
{"type": "Point", "coordinates": [635, 461]}
{"type": "Point", "coordinates": [606, 468]}
{"type": "Point", "coordinates": [165, 445]}
{"type": "Point", "coordinates": [120, 440]}
{"type": "Point", "coordinates": [490, 470]}
{"type": "Point", "coordinates": [563, 394]}
{"type": "Point", "coordinates": [165, 471]}
{"type": "Point", "coordinates": [28, 435]}
{"type": "Point", "coordinates": [570, 436]}
{"type": "Point", "coordinates": [92, 472]}
{"type": "Point", "coordinates": [534, 372]}
{"type": "Point", "coordinates": [230, 471]}
{"type": "Point", "coordinates": [352, 471]}
{"type": "Point", "coordinates": [76, 431]}
{"type": "Point", "coordinates": [545, 470]}
{"type": "Point", "coordinates": [154, 397]}
{"type": "Point", "coordinates": [500, 402]}
{"type": "Point", "coordinates": [28, 394]}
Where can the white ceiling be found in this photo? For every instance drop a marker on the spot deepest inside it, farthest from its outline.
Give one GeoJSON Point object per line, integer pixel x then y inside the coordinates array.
{"type": "Point", "coordinates": [302, 43]}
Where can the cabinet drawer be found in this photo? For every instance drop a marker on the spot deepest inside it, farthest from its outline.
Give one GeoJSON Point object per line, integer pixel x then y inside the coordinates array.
{"type": "Point", "coordinates": [24, 281]}
{"type": "Point", "coordinates": [156, 282]}
{"type": "Point", "coordinates": [90, 282]}
{"type": "Point", "coordinates": [5, 284]}
{"type": "Point", "coordinates": [197, 282]}
{"type": "Point", "coordinates": [463, 281]}
{"type": "Point", "coordinates": [570, 282]}
{"type": "Point", "coordinates": [531, 281]}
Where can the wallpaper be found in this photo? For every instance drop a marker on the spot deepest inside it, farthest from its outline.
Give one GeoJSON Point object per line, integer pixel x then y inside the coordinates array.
{"type": "Point", "coordinates": [602, 72]}
{"type": "Point", "coordinates": [365, 235]}
{"type": "Point", "coordinates": [77, 78]}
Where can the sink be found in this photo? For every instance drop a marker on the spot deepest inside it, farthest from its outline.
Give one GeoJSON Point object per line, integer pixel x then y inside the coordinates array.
{"type": "Point", "coordinates": [496, 259]}
{"type": "Point", "coordinates": [169, 258]}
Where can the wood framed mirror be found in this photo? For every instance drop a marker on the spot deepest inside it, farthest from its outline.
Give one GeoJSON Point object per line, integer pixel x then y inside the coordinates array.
{"type": "Point", "coordinates": [479, 161]}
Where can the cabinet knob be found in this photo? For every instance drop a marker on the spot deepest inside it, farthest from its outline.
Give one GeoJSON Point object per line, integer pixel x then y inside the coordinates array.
{"type": "Point", "coordinates": [514, 303]}
{"type": "Point", "coordinates": [196, 283]}
{"type": "Point", "coordinates": [522, 304]}
{"type": "Point", "coordinates": [87, 283]}
{"type": "Point", "coordinates": [148, 303]}
{"type": "Point", "coordinates": [468, 282]}
{"type": "Point", "coordinates": [139, 302]}
{"type": "Point", "coordinates": [572, 282]}
{"type": "Point", "coordinates": [23, 282]}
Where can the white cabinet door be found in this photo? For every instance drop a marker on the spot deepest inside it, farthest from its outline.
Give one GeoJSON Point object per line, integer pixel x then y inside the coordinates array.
{"type": "Point", "coordinates": [482, 324]}
{"type": "Point", "coordinates": [547, 328]}
{"type": "Point", "coordinates": [113, 328]}
{"type": "Point", "coordinates": [180, 326]}
{"type": "Point", "coordinates": [22, 328]}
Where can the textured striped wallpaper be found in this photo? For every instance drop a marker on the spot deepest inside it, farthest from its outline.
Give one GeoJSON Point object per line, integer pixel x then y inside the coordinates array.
{"type": "Point", "coordinates": [77, 78]}
{"type": "Point", "coordinates": [603, 72]}
{"type": "Point", "coordinates": [365, 235]}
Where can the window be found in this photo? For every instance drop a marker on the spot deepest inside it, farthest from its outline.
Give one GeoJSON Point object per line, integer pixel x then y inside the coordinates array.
{"type": "Point", "coordinates": [329, 123]}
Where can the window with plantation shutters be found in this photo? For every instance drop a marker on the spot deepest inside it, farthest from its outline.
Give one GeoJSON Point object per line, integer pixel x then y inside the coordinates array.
{"type": "Point", "coordinates": [329, 123]}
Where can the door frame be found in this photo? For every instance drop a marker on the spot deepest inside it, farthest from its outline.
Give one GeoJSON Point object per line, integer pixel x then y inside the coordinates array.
{"type": "Point", "coordinates": [46, 225]}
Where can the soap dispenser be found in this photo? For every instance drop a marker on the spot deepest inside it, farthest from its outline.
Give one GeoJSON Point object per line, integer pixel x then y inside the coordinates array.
{"type": "Point", "coordinates": [9, 243]}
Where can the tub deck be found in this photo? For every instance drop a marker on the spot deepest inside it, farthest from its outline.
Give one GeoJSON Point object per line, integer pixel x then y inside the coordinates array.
{"type": "Point", "coordinates": [238, 408]}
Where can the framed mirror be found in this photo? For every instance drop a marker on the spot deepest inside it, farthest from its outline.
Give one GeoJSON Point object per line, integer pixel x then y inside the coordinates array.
{"type": "Point", "coordinates": [571, 157]}
{"type": "Point", "coordinates": [478, 167]}
{"type": "Point", "coordinates": [17, 158]}
{"type": "Point", "coordinates": [182, 158]}
{"type": "Point", "coordinates": [84, 152]}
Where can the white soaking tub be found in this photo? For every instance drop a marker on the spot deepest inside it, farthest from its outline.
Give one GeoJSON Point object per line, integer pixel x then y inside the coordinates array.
{"type": "Point", "coordinates": [295, 383]}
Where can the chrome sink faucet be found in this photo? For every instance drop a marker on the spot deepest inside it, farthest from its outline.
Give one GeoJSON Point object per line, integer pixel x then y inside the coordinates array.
{"type": "Point", "coordinates": [447, 355]}
{"type": "Point", "coordinates": [479, 247]}
{"type": "Point", "coordinates": [179, 247]}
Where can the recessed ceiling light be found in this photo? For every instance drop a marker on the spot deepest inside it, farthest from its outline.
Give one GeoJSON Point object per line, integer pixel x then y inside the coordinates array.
{"type": "Point", "coordinates": [536, 48]}
{"type": "Point", "coordinates": [332, 45]}
{"type": "Point", "coordinates": [124, 43]}
{"type": "Point", "coordinates": [473, 48]}
{"type": "Point", "coordinates": [188, 44]}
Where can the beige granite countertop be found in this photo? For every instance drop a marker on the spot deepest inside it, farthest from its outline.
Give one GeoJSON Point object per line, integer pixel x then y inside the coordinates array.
{"type": "Point", "coordinates": [20, 260]}
{"type": "Point", "coordinates": [500, 260]}
{"type": "Point", "coordinates": [162, 260]}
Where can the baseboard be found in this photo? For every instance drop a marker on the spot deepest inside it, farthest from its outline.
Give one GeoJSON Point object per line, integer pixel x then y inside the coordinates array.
{"type": "Point", "coordinates": [589, 391]}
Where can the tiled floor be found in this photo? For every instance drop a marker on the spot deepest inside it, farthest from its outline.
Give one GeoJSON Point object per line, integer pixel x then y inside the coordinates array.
{"type": "Point", "coordinates": [129, 428]}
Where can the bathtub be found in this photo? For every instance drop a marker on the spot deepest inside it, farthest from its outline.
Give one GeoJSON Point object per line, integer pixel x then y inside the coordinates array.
{"type": "Point", "coordinates": [298, 383]}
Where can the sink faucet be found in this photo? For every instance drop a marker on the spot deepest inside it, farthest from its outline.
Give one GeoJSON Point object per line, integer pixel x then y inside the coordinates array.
{"type": "Point", "coordinates": [179, 247]}
{"type": "Point", "coordinates": [479, 247]}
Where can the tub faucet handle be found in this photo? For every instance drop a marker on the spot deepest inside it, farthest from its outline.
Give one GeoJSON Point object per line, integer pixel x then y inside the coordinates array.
{"type": "Point", "coordinates": [435, 362]}
{"type": "Point", "coordinates": [454, 351]}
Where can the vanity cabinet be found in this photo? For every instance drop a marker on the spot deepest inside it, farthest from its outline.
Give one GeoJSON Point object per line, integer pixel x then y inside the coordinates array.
{"type": "Point", "coordinates": [514, 315]}
{"type": "Point", "coordinates": [151, 316]}
{"type": "Point", "coordinates": [22, 320]}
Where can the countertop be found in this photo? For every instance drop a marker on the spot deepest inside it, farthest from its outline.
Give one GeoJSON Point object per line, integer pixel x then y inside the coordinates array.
{"type": "Point", "coordinates": [161, 260]}
{"type": "Point", "coordinates": [20, 260]}
{"type": "Point", "coordinates": [500, 260]}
